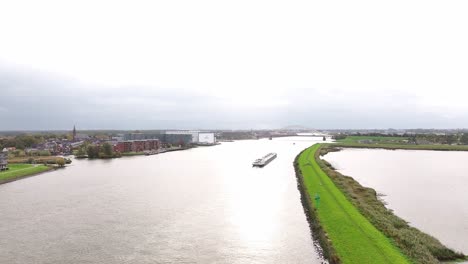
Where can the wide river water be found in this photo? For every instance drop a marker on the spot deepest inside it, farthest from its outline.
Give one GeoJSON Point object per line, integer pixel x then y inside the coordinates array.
{"type": "Point", "coordinates": [204, 205]}
{"type": "Point", "coordinates": [427, 188]}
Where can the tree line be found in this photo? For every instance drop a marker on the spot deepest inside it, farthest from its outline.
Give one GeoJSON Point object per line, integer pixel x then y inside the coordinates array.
{"type": "Point", "coordinates": [445, 139]}
{"type": "Point", "coordinates": [104, 151]}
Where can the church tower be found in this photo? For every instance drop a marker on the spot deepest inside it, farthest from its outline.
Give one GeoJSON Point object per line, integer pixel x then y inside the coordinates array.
{"type": "Point", "coordinates": [74, 133]}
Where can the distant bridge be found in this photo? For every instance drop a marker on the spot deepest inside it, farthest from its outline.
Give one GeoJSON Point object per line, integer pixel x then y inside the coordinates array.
{"type": "Point", "coordinates": [301, 134]}
{"type": "Point", "coordinates": [312, 134]}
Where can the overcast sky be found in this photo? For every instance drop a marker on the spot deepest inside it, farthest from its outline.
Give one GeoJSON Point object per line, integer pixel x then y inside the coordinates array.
{"type": "Point", "coordinates": [233, 64]}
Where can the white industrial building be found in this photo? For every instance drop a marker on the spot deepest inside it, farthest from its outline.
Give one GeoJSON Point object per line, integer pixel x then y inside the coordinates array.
{"type": "Point", "coordinates": [194, 134]}
{"type": "Point", "coordinates": [206, 138]}
{"type": "Point", "coordinates": [197, 136]}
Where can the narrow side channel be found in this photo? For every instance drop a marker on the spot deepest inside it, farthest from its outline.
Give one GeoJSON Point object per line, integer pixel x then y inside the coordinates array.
{"type": "Point", "coordinates": [417, 245]}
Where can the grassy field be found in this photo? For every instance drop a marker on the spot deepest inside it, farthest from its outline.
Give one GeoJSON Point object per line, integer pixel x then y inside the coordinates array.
{"type": "Point", "coordinates": [392, 143]}
{"type": "Point", "coordinates": [373, 139]}
{"type": "Point", "coordinates": [353, 237]}
{"type": "Point", "coordinates": [21, 170]}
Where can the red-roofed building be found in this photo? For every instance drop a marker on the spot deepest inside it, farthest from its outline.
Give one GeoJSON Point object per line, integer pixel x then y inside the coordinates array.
{"type": "Point", "coordinates": [137, 145]}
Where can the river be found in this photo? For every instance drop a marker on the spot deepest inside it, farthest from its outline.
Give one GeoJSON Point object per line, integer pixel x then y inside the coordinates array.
{"type": "Point", "coordinates": [203, 205]}
{"type": "Point", "coordinates": [427, 188]}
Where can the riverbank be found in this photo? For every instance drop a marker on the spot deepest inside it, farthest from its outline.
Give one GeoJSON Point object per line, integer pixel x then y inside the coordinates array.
{"type": "Point", "coordinates": [418, 246]}
{"type": "Point", "coordinates": [346, 236]}
{"type": "Point", "coordinates": [140, 153]}
{"type": "Point", "coordinates": [37, 160]}
{"type": "Point", "coordinates": [21, 171]}
{"type": "Point", "coordinates": [148, 153]}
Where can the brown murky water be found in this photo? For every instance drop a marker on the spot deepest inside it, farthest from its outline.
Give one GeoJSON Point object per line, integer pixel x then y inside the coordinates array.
{"type": "Point", "coordinates": [427, 188]}
{"type": "Point", "coordinates": [205, 205]}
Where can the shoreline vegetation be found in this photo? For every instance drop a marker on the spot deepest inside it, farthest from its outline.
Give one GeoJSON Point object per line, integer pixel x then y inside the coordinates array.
{"type": "Point", "coordinates": [24, 167]}
{"type": "Point", "coordinates": [19, 171]}
{"type": "Point", "coordinates": [49, 160]}
{"type": "Point", "coordinates": [322, 191]}
{"type": "Point", "coordinates": [391, 142]}
{"type": "Point", "coordinates": [131, 154]}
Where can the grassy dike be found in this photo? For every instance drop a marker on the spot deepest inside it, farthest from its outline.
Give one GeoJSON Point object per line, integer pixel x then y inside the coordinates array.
{"type": "Point", "coordinates": [18, 171]}
{"type": "Point", "coordinates": [346, 236]}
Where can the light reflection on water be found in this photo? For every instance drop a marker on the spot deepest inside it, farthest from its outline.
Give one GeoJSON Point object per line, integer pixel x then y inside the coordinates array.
{"type": "Point", "coordinates": [205, 205]}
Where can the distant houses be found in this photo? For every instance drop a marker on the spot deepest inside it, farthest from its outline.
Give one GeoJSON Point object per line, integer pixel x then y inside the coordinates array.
{"type": "Point", "coordinates": [3, 161]}
{"type": "Point", "coordinates": [137, 145]}
{"type": "Point", "coordinates": [139, 142]}
{"type": "Point", "coordinates": [179, 137]}
{"type": "Point", "coordinates": [81, 137]}
{"type": "Point", "coordinates": [8, 149]}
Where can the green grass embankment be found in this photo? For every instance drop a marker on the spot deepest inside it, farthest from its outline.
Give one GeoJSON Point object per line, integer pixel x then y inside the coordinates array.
{"type": "Point", "coordinates": [353, 239]}
{"type": "Point", "coordinates": [17, 171]}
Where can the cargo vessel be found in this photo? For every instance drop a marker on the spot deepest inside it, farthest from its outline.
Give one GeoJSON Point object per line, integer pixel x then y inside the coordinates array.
{"type": "Point", "coordinates": [265, 160]}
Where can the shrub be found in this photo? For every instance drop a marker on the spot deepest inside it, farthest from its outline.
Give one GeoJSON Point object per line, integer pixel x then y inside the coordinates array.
{"type": "Point", "coordinates": [60, 162]}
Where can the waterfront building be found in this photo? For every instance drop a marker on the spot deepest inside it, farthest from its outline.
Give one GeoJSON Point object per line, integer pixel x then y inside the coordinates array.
{"type": "Point", "coordinates": [178, 139]}
{"type": "Point", "coordinates": [134, 136]}
{"type": "Point", "coordinates": [169, 137]}
{"type": "Point", "coordinates": [174, 137]}
{"type": "Point", "coordinates": [143, 136]}
{"type": "Point", "coordinates": [123, 146]}
{"type": "Point", "coordinates": [137, 145]}
{"type": "Point", "coordinates": [119, 137]}
{"type": "Point", "coordinates": [193, 134]}
{"type": "Point", "coordinates": [206, 138]}
{"type": "Point", "coordinates": [3, 161]}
